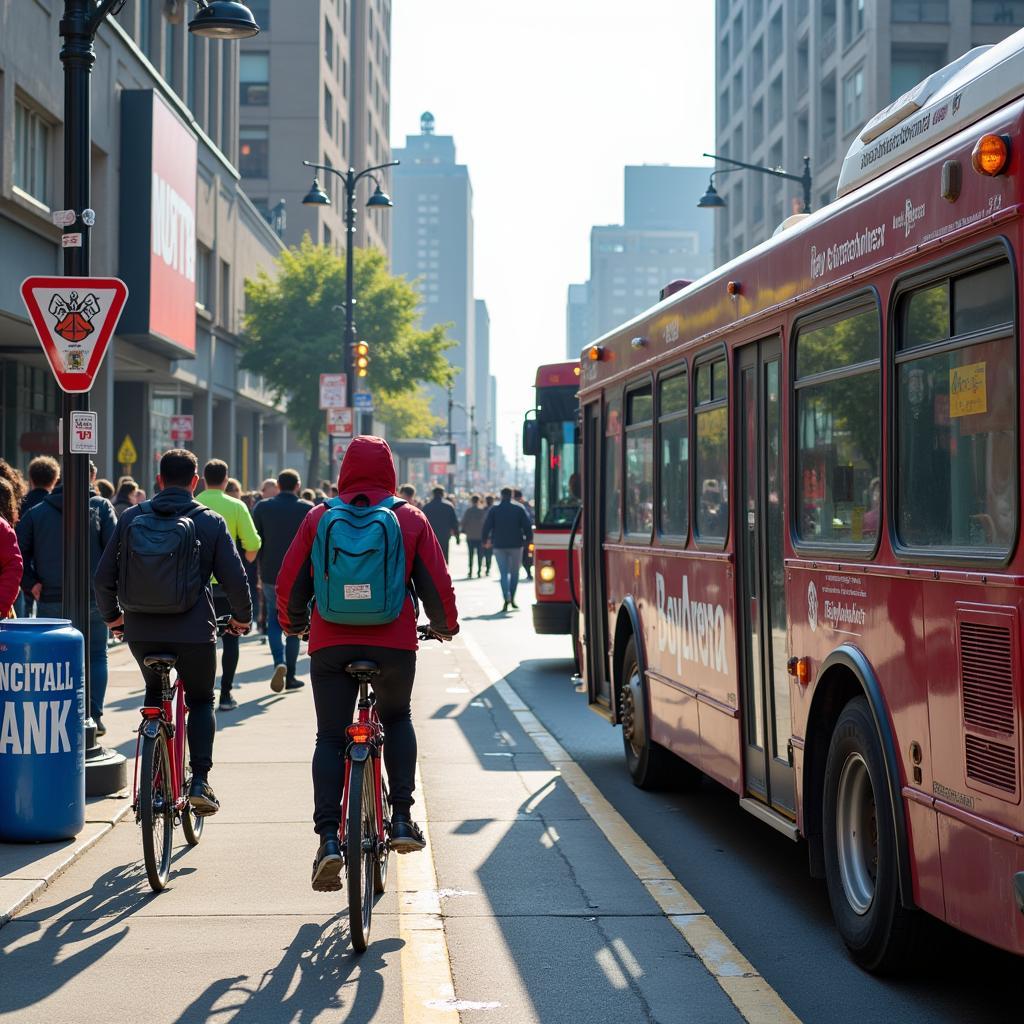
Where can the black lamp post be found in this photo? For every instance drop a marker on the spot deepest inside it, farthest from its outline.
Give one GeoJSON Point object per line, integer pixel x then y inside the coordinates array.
{"type": "Point", "coordinates": [712, 200]}
{"type": "Point", "coordinates": [222, 19]}
{"type": "Point", "coordinates": [379, 200]}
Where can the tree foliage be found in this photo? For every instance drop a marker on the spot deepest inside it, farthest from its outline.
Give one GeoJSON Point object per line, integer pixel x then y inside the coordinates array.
{"type": "Point", "coordinates": [295, 327]}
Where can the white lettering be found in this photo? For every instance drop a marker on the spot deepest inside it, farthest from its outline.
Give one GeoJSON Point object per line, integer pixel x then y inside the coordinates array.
{"type": "Point", "coordinates": [10, 740]}
{"type": "Point", "coordinates": [59, 740]}
{"type": "Point", "coordinates": [173, 229]}
{"type": "Point", "coordinates": [33, 717]}
{"type": "Point", "coordinates": [692, 631]}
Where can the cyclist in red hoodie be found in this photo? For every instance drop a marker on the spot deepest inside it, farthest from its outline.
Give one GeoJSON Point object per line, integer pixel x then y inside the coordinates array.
{"type": "Point", "coordinates": [367, 477]}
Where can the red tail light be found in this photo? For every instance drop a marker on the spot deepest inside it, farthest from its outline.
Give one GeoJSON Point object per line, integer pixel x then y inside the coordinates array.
{"type": "Point", "coordinates": [150, 712]}
{"type": "Point", "coordinates": [360, 732]}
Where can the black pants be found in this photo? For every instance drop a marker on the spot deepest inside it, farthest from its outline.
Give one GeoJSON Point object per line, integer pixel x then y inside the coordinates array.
{"type": "Point", "coordinates": [488, 554]}
{"type": "Point", "coordinates": [475, 547]}
{"type": "Point", "coordinates": [197, 666]}
{"type": "Point", "coordinates": [229, 659]}
{"type": "Point", "coordinates": [334, 695]}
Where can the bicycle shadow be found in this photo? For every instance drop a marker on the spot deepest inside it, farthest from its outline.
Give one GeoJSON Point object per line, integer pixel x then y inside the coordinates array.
{"type": "Point", "coordinates": [316, 968]}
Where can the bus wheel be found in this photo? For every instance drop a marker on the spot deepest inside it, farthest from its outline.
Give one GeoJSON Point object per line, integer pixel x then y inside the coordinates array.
{"type": "Point", "coordinates": [860, 846]}
{"type": "Point", "coordinates": [648, 764]}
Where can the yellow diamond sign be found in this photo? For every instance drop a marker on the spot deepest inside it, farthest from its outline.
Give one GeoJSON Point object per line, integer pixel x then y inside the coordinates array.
{"type": "Point", "coordinates": [126, 454]}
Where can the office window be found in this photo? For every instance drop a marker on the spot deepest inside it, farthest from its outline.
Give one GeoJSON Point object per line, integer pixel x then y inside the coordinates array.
{"type": "Point", "coordinates": [204, 293]}
{"type": "Point", "coordinates": [328, 43]}
{"type": "Point", "coordinates": [998, 12]}
{"type": "Point", "coordinates": [254, 79]}
{"type": "Point", "coordinates": [226, 299]}
{"type": "Point", "coordinates": [674, 465]}
{"type": "Point", "coordinates": [911, 65]}
{"type": "Point", "coordinates": [253, 152]}
{"type": "Point", "coordinates": [328, 111]}
{"type": "Point", "coordinates": [31, 152]}
{"type": "Point", "coordinates": [853, 100]}
{"type": "Point", "coordinates": [711, 425]}
{"type": "Point", "coordinates": [261, 12]}
{"type": "Point", "coordinates": [920, 10]}
{"type": "Point", "coordinates": [853, 19]}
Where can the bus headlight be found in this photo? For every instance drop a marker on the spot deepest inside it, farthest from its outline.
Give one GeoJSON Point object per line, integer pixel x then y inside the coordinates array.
{"type": "Point", "coordinates": [547, 573]}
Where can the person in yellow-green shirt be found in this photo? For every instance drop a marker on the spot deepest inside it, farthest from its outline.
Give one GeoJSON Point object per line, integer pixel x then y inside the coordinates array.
{"type": "Point", "coordinates": [243, 533]}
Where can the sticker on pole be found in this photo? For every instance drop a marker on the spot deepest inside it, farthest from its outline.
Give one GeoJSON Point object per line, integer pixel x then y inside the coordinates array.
{"type": "Point", "coordinates": [75, 318]}
{"type": "Point", "coordinates": [84, 433]}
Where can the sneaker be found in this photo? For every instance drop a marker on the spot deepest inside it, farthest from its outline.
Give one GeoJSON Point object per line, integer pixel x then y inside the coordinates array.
{"type": "Point", "coordinates": [101, 729]}
{"type": "Point", "coordinates": [327, 866]}
{"type": "Point", "coordinates": [294, 684]}
{"type": "Point", "coordinates": [202, 799]}
{"type": "Point", "coordinates": [514, 605]}
{"type": "Point", "coordinates": [406, 836]}
{"type": "Point", "coordinates": [277, 679]}
{"type": "Point", "coordinates": [504, 607]}
{"type": "Point", "coordinates": [227, 702]}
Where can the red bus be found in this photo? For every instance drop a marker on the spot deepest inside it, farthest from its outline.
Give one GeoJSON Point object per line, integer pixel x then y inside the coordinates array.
{"type": "Point", "coordinates": [802, 567]}
{"type": "Point", "coordinates": [550, 433]}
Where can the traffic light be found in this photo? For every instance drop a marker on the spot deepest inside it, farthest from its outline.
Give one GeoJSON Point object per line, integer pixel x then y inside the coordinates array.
{"type": "Point", "coordinates": [361, 358]}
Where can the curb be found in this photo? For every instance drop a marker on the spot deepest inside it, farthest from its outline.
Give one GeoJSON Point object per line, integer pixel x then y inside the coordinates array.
{"type": "Point", "coordinates": [8, 913]}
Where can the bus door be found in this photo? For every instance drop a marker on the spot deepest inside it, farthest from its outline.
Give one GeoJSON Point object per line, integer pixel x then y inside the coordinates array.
{"type": "Point", "coordinates": [761, 576]}
{"type": "Point", "coordinates": [595, 618]}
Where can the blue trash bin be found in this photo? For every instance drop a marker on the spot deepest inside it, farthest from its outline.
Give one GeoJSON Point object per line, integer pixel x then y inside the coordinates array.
{"type": "Point", "coordinates": [42, 741]}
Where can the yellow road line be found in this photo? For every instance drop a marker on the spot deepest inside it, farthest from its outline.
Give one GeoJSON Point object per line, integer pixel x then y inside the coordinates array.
{"type": "Point", "coordinates": [755, 999]}
{"type": "Point", "coordinates": [428, 995]}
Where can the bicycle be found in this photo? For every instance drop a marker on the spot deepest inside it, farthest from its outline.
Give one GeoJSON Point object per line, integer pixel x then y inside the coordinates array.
{"type": "Point", "coordinates": [365, 833]}
{"type": "Point", "coordinates": [162, 778]}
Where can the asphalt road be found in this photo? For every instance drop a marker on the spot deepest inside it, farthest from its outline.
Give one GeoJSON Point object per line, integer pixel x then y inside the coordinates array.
{"type": "Point", "coordinates": [751, 880]}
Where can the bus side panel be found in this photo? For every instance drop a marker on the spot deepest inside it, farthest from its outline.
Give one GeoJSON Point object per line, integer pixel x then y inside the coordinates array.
{"type": "Point", "coordinates": [675, 721]}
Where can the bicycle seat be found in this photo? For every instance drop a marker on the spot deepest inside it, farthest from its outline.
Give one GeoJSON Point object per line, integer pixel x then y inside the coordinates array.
{"type": "Point", "coordinates": [362, 668]}
{"type": "Point", "coordinates": [165, 661]}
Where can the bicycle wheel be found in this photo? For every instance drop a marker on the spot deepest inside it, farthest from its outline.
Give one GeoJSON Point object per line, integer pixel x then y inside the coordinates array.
{"type": "Point", "coordinates": [360, 853]}
{"type": "Point", "coordinates": [380, 864]}
{"type": "Point", "coordinates": [191, 823]}
{"type": "Point", "coordinates": [156, 810]}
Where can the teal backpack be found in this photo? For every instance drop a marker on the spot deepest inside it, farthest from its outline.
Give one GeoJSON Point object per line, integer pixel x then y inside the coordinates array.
{"type": "Point", "coordinates": [359, 563]}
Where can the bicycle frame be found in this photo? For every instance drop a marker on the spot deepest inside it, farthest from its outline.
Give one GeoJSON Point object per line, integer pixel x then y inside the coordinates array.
{"type": "Point", "coordinates": [366, 739]}
{"type": "Point", "coordinates": [172, 710]}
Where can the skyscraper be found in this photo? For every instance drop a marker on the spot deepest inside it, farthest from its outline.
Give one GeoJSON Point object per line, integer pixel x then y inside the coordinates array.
{"type": "Point", "coordinates": [433, 245]}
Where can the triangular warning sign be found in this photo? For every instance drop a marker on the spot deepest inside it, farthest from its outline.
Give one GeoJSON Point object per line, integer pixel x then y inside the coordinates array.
{"type": "Point", "coordinates": [75, 318]}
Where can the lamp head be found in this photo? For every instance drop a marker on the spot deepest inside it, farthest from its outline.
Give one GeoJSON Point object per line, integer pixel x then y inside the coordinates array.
{"type": "Point", "coordinates": [711, 200]}
{"type": "Point", "coordinates": [316, 196]}
{"type": "Point", "coordinates": [223, 19]}
{"type": "Point", "coordinates": [379, 198]}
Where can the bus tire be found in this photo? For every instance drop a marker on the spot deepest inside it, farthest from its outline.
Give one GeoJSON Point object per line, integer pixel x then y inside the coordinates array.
{"type": "Point", "coordinates": [861, 870]}
{"type": "Point", "coordinates": [649, 765]}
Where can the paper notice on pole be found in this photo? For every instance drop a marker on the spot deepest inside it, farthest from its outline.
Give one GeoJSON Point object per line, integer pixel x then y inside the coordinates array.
{"type": "Point", "coordinates": [84, 435]}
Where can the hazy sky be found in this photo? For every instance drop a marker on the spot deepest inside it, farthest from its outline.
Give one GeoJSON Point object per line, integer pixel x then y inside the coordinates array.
{"type": "Point", "coordinates": [548, 101]}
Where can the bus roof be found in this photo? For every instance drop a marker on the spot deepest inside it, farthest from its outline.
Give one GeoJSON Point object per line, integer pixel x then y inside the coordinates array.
{"type": "Point", "coordinates": [557, 374]}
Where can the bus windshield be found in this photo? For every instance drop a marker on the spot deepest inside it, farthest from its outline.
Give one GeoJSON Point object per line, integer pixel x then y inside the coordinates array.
{"type": "Point", "coordinates": [557, 484]}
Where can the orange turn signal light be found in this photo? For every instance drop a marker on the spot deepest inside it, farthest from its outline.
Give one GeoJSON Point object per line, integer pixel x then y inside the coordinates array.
{"type": "Point", "coordinates": [991, 154]}
{"type": "Point", "coordinates": [800, 669]}
{"type": "Point", "coordinates": [594, 353]}
{"type": "Point", "coordinates": [360, 732]}
{"type": "Point", "coordinates": [733, 288]}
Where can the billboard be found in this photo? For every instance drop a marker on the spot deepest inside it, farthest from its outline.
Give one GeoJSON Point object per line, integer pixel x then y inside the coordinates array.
{"type": "Point", "coordinates": [159, 160]}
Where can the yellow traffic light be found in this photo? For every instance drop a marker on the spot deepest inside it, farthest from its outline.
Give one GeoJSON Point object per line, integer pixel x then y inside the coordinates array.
{"type": "Point", "coordinates": [361, 358]}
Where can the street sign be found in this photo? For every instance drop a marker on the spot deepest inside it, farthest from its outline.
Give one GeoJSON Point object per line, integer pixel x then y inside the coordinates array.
{"type": "Point", "coordinates": [181, 428]}
{"type": "Point", "coordinates": [84, 433]}
{"type": "Point", "coordinates": [332, 390]}
{"type": "Point", "coordinates": [438, 468]}
{"type": "Point", "coordinates": [75, 318]}
{"type": "Point", "coordinates": [126, 454]}
{"type": "Point", "coordinates": [339, 422]}
{"type": "Point", "coordinates": [363, 401]}
{"type": "Point", "coordinates": [440, 453]}
{"type": "Point", "coordinates": [338, 450]}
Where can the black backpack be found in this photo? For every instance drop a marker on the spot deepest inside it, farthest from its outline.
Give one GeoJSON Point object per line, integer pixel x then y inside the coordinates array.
{"type": "Point", "coordinates": [159, 571]}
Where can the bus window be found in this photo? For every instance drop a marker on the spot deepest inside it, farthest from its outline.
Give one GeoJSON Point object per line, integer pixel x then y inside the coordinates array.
{"type": "Point", "coordinates": [674, 467]}
{"type": "Point", "coordinates": [838, 428]}
{"type": "Point", "coordinates": [711, 458]}
{"type": "Point", "coordinates": [612, 466]}
{"type": "Point", "coordinates": [640, 461]}
{"type": "Point", "coordinates": [557, 489]}
{"type": "Point", "coordinates": [956, 400]}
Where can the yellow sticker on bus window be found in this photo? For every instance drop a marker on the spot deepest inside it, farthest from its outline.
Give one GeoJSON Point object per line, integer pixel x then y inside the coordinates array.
{"type": "Point", "coordinates": [967, 395]}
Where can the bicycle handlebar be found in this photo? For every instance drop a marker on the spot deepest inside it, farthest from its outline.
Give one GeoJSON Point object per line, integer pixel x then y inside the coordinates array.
{"type": "Point", "coordinates": [428, 633]}
{"type": "Point", "coordinates": [223, 629]}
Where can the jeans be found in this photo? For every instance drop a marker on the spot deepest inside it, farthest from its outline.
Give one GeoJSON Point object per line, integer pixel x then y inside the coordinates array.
{"type": "Point", "coordinates": [509, 560]}
{"type": "Point", "coordinates": [475, 547]}
{"type": "Point", "coordinates": [334, 696]}
{"type": "Point", "coordinates": [286, 654]}
{"type": "Point", "coordinates": [98, 636]}
{"type": "Point", "coordinates": [229, 659]}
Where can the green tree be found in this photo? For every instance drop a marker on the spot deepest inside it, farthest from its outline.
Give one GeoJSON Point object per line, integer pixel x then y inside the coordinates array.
{"type": "Point", "coordinates": [294, 331]}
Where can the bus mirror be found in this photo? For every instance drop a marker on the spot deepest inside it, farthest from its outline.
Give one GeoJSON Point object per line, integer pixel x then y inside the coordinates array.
{"type": "Point", "coordinates": [531, 437]}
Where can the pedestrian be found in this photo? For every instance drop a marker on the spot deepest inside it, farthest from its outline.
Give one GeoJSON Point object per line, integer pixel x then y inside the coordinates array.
{"type": "Point", "coordinates": [308, 494]}
{"type": "Point", "coordinates": [367, 477]}
{"type": "Point", "coordinates": [277, 521]}
{"type": "Point", "coordinates": [234, 488]}
{"type": "Point", "coordinates": [441, 515]}
{"type": "Point", "coordinates": [408, 492]}
{"type": "Point", "coordinates": [41, 538]}
{"type": "Point", "coordinates": [486, 546]}
{"type": "Point", "coordinates": [138, 496]}
{"type": "Point", "coordinates": [104, 488]}
{"type": "Point", "coordinates": [11, 563]}
{"type": "Point", "coordinates": [126, 488]}
{"type": "Point", "coordinates": [472, 526]}
{"type": "Point", "coordinates": [517, 496]}
{"type": "Point", "coordinates": [507, 528]}
{"type": "Point", "coordinates": [268, 489]}
{"type": "Point", "coordinates": [190, 632]}
{"type": "Point", "coordinates": [242, 533]}
{"type": "Point", "coordinates": [43, 474]}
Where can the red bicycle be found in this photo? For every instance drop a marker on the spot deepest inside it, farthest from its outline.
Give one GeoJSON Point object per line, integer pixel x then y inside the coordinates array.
{"type": "Point", "coordinates": [162, 778]}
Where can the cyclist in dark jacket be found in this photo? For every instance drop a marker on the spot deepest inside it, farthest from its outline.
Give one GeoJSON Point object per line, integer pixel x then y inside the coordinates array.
{"type": "Point", "coordinates": [507, 529]}
{"type": "Point", "coordinates": [191, 635]}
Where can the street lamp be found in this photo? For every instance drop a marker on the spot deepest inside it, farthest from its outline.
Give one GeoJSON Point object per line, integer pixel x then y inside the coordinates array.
{"type": "Point", "coordinates": [712, 200]}
{"type": "Point", "coordinates": [380, 199]}
{"type": "Point", "coordinates": [106, 772]}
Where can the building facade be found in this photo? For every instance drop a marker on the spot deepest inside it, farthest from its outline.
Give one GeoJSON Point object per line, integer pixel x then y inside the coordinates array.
{"type": "Point", "coordinates": [315, 85]}
{"type": "Point", "coordinates": [432, 246]}
{"type": "Point", "coordinates": [171, 219]}
{"type": "Point", "coordinates": [663, 238]}
{"type": "Point", "coordinates": [800, 77]}
{"type": "Point", "coordinates": [483, 413]}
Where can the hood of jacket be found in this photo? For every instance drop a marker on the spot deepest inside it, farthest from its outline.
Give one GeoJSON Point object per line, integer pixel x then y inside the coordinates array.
{"type": "Point", "coordinates": [172, 501]}
{"type": "Point", "coordinates": [368, 468]}
{"type": "Point", "coordinates": [56, 497]}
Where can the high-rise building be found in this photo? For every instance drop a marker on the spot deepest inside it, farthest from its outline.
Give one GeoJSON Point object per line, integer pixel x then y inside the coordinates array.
{"type": "Point", "coordinates": [663, 238]}
{"type": "Point", "coordinates": [433, 247]}
{"type": "Point", "coordinates": [315, 85]}
{"type": "Point", "coordinates": [483, 413]}
{"type": "Point", "coordinates": [800, 77]}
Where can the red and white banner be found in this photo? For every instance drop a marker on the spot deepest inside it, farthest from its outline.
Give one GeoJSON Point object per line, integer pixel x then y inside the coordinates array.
{"type": "Point", "coordinates": [332, 390]}
{"type": "Point", "coordinates": [181, 428]}
{"type": "Point", "coordinates": [339, 422]}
